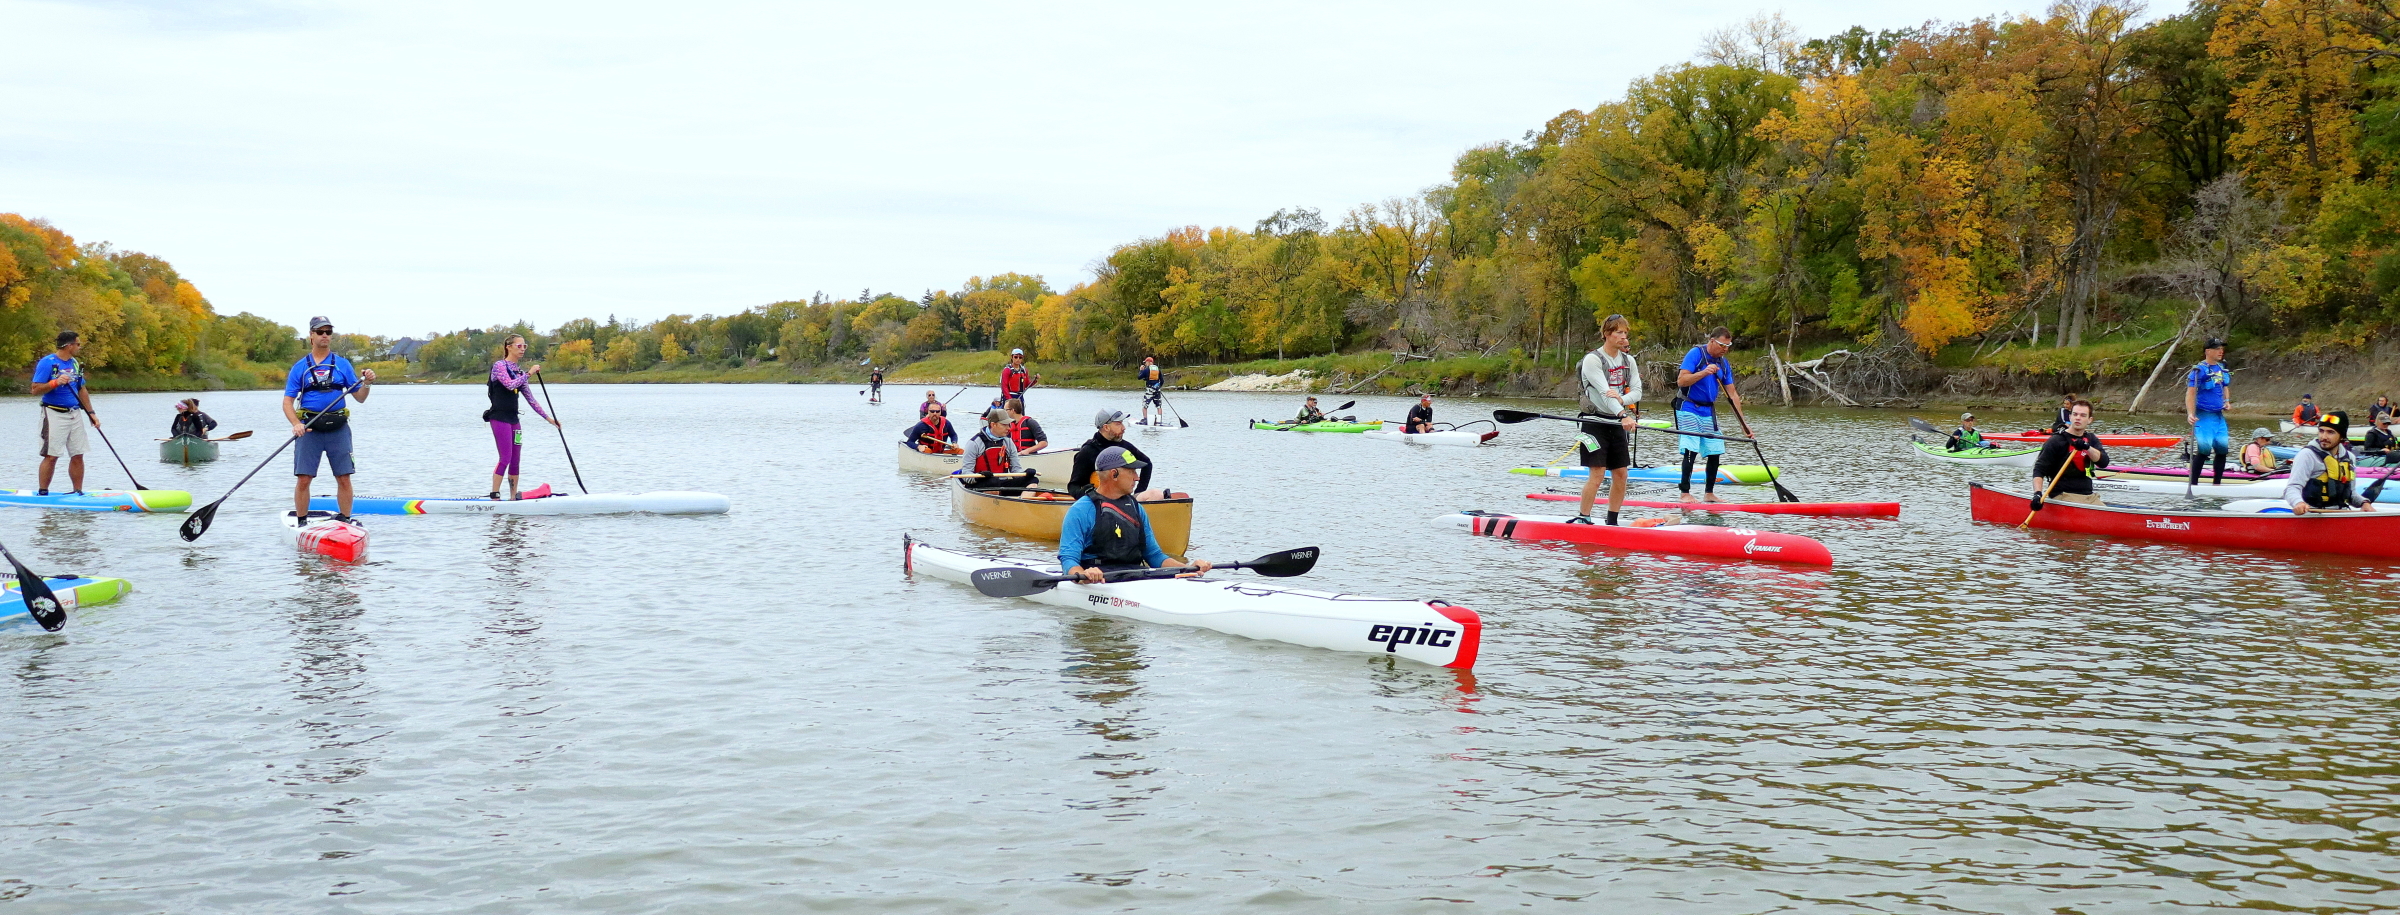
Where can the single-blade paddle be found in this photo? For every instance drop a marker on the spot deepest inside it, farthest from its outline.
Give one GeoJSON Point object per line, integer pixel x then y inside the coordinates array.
{"type": "Point", "coordinates": [562, 433]}
{"type": "Point", "coordinates": [40, 602]}
{"type": "Point", "coordinates": [1773, 478]}
{"type": "Point", "coordinates": [1519, 416]}
{"type": "Point", "coordinates": [198, 523]}
{"type": "Point", "coordinates": [112, 449]}
{"type": "Point", "coordinates": [1018, 581]}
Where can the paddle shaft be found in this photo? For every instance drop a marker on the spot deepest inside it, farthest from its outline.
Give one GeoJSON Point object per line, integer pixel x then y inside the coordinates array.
{"type": "Point", "coordinates": [1505, 416]}
{"type": "Point", "coordinates": [562, 433]}
{"type": "Point", "coordinates": [2037, 507]}
{"type": "Point", "coordinates": [1781, 494]}
{"type": "Point", "coordinates": [112, 448]}
{"type": "Point", "coordinates": [198, 523]}
{"type": "Point", "coordinates": [40, 602]}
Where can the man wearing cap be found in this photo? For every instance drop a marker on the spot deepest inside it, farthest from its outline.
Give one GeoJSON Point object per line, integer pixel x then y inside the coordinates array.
{"type": "Point", "coordinates": [2324, 472]}
{"type": "Point", "coordinates": [1153, 381]}
{"type": "Point", "coordinates": [2306, 413]}
{"type": "Point", "coordinates": [1420, 417]}
{"type": "Point", "coordinates": [1106, 529]}
{"type": "Point", "coordinates": [312, 400]}
{"type": "Point", "coordinates": [1111, 434]}
{"type": "Point", "coordinates": [994, 450]}
{"type": "Point", "coordinates": [1705, 373]}
{"type": "Point", "coordinates": [190, 421]}
{"type": "Point", "coordinates": [1966, 438]}
{"type": "Point", "coordinates": [58, 377]}
{"type": "Point", "coordinates": [1309, 413]}
{"type": "Point", "coordinates": [932, 434]}
{"type": "Point", "coordinates": [1013, 377]}
{"type": "Point", "coordinates": [2376, 449]}
{"type": "Point", "coordinates": [2204, 407]}
{"type": "Point", "coordinates": [2259, 456]}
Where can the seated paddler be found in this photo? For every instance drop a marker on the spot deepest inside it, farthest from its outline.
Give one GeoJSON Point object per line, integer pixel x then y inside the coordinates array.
{"type": "Point", "coordinates": [1107, 531]}
{"type": "Point", "coordinates": [2325, 472]}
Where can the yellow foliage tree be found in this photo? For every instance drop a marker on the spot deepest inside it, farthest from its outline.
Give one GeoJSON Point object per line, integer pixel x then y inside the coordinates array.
{"type": "Point", "coordinates": [668, 350]}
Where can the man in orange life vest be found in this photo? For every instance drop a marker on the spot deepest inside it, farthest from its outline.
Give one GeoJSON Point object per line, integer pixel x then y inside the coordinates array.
{"type": "Point", "coordinates": [932, 433]}
{"type": "Point", "coordinates": [1026, 430]}
{"type": "Point", "coordinates": [992, 448]}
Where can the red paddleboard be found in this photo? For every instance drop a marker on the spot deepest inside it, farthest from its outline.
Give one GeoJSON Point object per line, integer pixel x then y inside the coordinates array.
{"type": "Point", "coordinates": [2111, 440]}
{"type": "Point", "coordinates": [1756, 508]}
{"type": "Point", "coordinates": [324, 536]}
{"type": "Point", "coordinates": [1679, 539]}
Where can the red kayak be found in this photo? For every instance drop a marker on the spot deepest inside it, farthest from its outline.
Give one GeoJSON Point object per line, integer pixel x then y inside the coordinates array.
{"type": "Point", "coordinates": [2038, 436]}
{"type": "Point", "coordinates": [2350, 533]}
{"type": "Point", "coordinates": [1679, 539]}
{"type": "Point", "coordinates": [1756, 508]}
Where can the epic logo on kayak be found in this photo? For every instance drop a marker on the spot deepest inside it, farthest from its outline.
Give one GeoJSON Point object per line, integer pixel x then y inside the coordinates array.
{"type": "Point", "coordinates": [1393, 637]}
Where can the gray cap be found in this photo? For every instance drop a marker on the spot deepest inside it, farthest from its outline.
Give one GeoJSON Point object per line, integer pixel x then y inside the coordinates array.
{"type": "Point", "coordinates": [995, 415]}
{"type": "Point", "coordinates": [2261, 432]}
{"type": "Point", "coordinates": [1114, 457]}
{"type": "Point", "coordinates": [1109, 416]}
{"type": "Point", "coordinates": [319, 321]}
{"type": "Point", "coordinates": [1963, 417]}
{"type": "Point", "coordinates": [1016, 352]}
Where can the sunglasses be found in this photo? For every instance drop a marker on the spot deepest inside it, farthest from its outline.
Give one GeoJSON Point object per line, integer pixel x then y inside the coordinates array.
{"type": "Point", "coordinates": [322, 332]}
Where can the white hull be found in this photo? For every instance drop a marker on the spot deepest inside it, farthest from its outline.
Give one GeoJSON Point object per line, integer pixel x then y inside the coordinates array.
{"type": "Point", "coordinates": [1428, 632]}
{"type": "Point", "coordinates": [1444, 437]}
{"type": "Point", "coordinates": [2248, 489]}
{"type": "Point", "coordinates": [1053, 465]}
{"type": "Point", "coordinates": [599, 503]}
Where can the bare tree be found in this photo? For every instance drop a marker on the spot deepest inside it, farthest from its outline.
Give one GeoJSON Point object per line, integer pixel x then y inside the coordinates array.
{"type": "Point", "coordinates": [1765, 41]}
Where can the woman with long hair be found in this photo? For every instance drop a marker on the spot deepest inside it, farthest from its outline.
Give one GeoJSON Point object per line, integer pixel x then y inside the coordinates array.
{"type": "Point", "coordinates": [505, 386]}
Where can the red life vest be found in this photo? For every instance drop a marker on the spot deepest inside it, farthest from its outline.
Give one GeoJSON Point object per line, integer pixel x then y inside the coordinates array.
{"type": "Point", "coordinates": [1023, 435]}
{"type": "Point", "coordinates": [992, 460]}
{"type": "Point", "coordinates": [936, 429]}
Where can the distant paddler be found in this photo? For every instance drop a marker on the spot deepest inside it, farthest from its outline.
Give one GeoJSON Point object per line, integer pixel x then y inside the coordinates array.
{"type": "Point", "coordinates": [2064, 468]}
{"type": "Point", "coordinates": [993, 449]}
{"type": "Point", "coordinates": [2259, 456]}
{"type": "Point", "coordinates": [2376, 449]}
{"type": "Point", "coordinates": [2381, 407]}
{"type": "Point", "coordinates": [1106, 530]}
{"type": "Point", "coordinates": [2066, 406]}
{"type": "Point", "coordinates": [932, 400]}
{"type": "Point", "coordinates": [1153, 382]}
{"type": "Point", "coordinates": [2204, 408]}
{"type": "Point", "coordinates": [1014, 379]}
{"type": "Point", "coordinates": [1109, 433]}
{"type": "Point", "coordinates": [2325, 472]}
{"type": "Point", "coordinates": [1420, 417]}
{"type": "Point", "coordinates": [2306, 413]}
{"type": "Point", "coordinates": [504, 387]}
{"type": "Point", "coordinates": [189, 421]}
{"type": "Point", "coordinates": [932, 434]}
{"type": "Point", "coordinates": [1025, 430]}
{"type": "Point", "coordinates": [1705, 373]}
{"type": "Point", "coordinates": [1612, 386]}
{"type": "Point", "coordinates": [316, 387]}
{"type": "Point", "coordinates": [875, 384]}
{"type": "Point", "coordinates": [1309, 413]}
{"type": "Point", "coordinates": [1966, 438]}
{"type": "Point", "coordinates": [58, 377]}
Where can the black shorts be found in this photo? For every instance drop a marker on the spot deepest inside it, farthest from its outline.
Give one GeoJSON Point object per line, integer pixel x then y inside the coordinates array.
{"type": "Point", "coordinates": [1615, 448]}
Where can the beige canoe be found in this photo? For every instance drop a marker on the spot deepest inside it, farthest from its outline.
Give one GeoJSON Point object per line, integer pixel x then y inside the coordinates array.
{"type": "Point", "coordinates": [1053, 465]}
{"type": "Point", "coordinates": [1032, 515]}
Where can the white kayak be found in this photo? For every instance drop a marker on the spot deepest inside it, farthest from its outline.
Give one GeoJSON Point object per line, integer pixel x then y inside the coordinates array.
{"type": "Point", "coordinates": [1426, 631]}
{"type": "Point", "coordinates": [2247, 489]}
{"type": "Point", "coordinates": [1053, 465]}
{"type": "Point", "coordinates": [598, 503]}
{"type": "Point", "coordinates": [1456, 437]}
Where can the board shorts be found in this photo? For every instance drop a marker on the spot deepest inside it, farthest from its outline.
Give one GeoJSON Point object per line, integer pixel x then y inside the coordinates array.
{"type": "Point", "coordinates": [63, 433]}
{"type": "Point", "coordinates": [2210, 434]}
{"type": "Point", "coordinates": [1151, 396]}
{"type": "Point", "coordinates": [1698, 422]}
{"type": "Point", "coordinates": [1604, 445]}
{"type": "Point", "coordinates": [331, 447]}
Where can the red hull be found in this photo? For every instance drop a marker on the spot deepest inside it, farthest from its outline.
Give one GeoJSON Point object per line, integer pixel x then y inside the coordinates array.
{"type": "Point", "coordinates": [2348, 533]}
{"type": "Point", "coordinates": [347, 543]}
{"type": "Point", "coordinates": [1680, 539]}
{"type": "Point", "coordinates": [1757, 508]}
{"type": "Point", "coordinates": [2108, 441]}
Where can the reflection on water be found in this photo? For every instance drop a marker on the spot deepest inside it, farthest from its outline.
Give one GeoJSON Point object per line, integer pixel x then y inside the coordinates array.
{"type": "Point", "coordinates": [1105, 661]}
{"type": "Point", "coordinates": [328, 674]}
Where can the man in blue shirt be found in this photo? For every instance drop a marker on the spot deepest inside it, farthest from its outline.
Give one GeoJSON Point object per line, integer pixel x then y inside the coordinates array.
{"type": "Point", "coordinates": [1705, 374]}
{"type": "Point", "coordinates": [312, 400]}
{"type": "Point", "coordinates": [58, 377]}
{"type": "Point", "coordinates": [2204, 407]}
{"type": "Point", "coordinates": [1107, 530]}
{"type": "Point", "coordinates": [1152, 380]}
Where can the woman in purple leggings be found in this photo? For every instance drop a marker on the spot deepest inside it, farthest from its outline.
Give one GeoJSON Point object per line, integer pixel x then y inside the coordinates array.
{"type": "Point", "coordinates": [505, 385]}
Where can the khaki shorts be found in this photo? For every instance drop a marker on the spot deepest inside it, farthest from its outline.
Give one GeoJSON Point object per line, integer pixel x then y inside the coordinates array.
{"type": "Point", "coordinates": [2078, 497]}
{"type": "Point", "coordinates": [63, 435]}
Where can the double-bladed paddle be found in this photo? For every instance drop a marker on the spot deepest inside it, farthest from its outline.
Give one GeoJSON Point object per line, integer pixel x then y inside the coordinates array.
{"type": "Point", "coordinates": [562, 433]}
{"type": "Point", "coordinates": [1519, 416]}
{"type": "Point", "coordinates": [238, 436]}
{"type": "Point", "coordinates": [198, 523]}
{"type": "Point", "coordinates": [1286, 425]}
{"type": "Point", "coordinates": [1018, 581]}
{"type": "Point", "coordinates": [40, 603]}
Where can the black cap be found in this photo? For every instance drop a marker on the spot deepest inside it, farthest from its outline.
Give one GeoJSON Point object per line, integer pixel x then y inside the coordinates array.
{"type": "Point", "coordinates": [2339, 420]}
{"type": "Point", "coordinates": [2213, 343]}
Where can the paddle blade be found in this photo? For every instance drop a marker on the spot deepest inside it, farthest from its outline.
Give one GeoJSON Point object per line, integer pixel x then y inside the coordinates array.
{"type": "Point", "coordinates": [1284, 564]}
{"type": "Point", "coordinates": [198, 523]}
{"type": "Point", "coordinates": [238, 436]}
{"type": "Point", "coordinates": [1513, 416]}
{"type": "Point", "coordinates": [40, 602]}
{"type": "Point", "coordinates": [1347, 404]}
{"type": "Point", "coordinates": [1012, 581]}
{"type": "Point", "coordinates": [1923, 426]}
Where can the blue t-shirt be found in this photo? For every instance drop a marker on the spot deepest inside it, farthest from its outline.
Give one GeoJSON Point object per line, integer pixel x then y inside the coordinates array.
{"type": "Point", "coordinates": [1150, 375]}
{"type": "Point", "coordinates": [2209, 381]}
{"type": "Point", "coordinates": [1075, 534]}
{"type": "Point", "coordinates": [1701, 398]}
{"type": "Point", "coordinates": [52, 367]}
{"type": "Point", "coordinates": [320, 385]}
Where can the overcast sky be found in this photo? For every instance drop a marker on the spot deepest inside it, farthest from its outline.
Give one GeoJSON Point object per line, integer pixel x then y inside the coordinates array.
{"type": "Point", "coordinates": [430, 165]}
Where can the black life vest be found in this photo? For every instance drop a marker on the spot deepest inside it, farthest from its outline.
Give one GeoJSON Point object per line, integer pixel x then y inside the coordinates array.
{"type": "Point", "coordinates": [2330, 488]}
{"type": "Point", "coordinates": [1023, 433]}
{"type": "Point", "coordinates": [2309, 414]}
{"type": "Point", "coordinates": [504, 401]}
{"type": "Point", "coordinates": [1119, 537]}
{"type": "Point", "coordinates": [321, 375]}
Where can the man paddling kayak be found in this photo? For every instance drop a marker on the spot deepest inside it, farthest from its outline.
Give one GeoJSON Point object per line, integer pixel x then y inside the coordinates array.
{"type": "Point", "coordinates": [1309, 414]}
{"type": "Point", "coordinates": [2204, 408]}
{"type": "Point", "coordinates": [2306, 413]}
{"type": "Point", "coordinates": [1704, 374]}
{"type": "Point", "coordinates": [1153, 384]}
{"type": "Point", "coordinates": [504, 387]}
{"type": "Point", "coordinates": [189, 420]}
{"type": "Point", "coordinates": [932, 433]}
{"type": "Point", "coordinates": [2259, 456]}
{"type": "Point", "coordinates": [317, 385]}
{"type": "Point", "coordinates": [1420, 417]}
{"type": "Point", "coordinates": [2069, 457]}
{"type": "Point", "coordinates": [1110, 433]}
{"type": "Point", "coordinates": [1025, 430]}
{"type": "Point", "coordinates": [1611, 386]}
{"type": "Point", "coordinates": [2324, 474]}
{"type": "Point", "coordinates": [1106, 529]}
{"type": "Point", "coordinates": [2066, 408]}
{"type": "Point", "coordinates": [2376, 449]}
{"type": "Point", "coordinates": [1966, 438]}
{"type": "Point", "coordinates": [58, 377]}
{"type": "Point", "coordinates": [993, 449]}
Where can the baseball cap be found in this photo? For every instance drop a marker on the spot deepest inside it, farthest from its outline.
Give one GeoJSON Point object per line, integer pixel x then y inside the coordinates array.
{"type": "Point", "coordinates": [995, 415]}
{"type": "Point", "coordinates": [319, 321]}
{"type": "Point", "coordinates": [2261, 432]}
{"type": "Point", "coordinates": [1114, 457]}
{"type": "Point", "coordinates": [1016, 352]}
{"type": "Point", "coordinates": [1108, 416]}
{"type": "Point", "coordinates": [2213, 343]}
{"type": "Point", "coordinates": [1963, 417]}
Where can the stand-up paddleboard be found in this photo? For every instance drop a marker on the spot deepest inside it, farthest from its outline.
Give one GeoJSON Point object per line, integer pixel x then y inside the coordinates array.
{"type": "Point", "coordinates": [542, 501]}
{"type": "Point", "coordinates": [72, 591]}
{"type": "Point", "coordinates": [1851, 509]}
{"type": "Point", "coordinates": [105, 500]}
{"type": "Point", "coordinates": [1679, 539]}
{"type": "Point", "coordinates": [322, 535]}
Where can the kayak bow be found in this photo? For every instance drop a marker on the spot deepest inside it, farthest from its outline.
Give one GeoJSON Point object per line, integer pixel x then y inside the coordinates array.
{"type": "Point", "coordinates": [1839, 509]}
{"type": "Point", "coordinates": [1680, 539]}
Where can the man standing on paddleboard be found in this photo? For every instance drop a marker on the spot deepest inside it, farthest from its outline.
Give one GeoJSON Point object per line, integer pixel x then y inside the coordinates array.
{"type": "Point", "coordinates": [1013, 377]}
{"type": "Point", "coordinates": [1612, 385]}
{"type": "Point", "coordinates": [1705, 374]}
{"type": "Point", "coordinates": [1153, 380]}
{"type": "Point", "coordinates": [2070, 458]}
{"type": "Point", "coordinates": [317, 385]}
{"type": "Point", "coordinates": [2204, 408]}
{"type": "Point", "coordinates": [58, 377]}
{"type": "Point", "coordinates": [1106, 529]}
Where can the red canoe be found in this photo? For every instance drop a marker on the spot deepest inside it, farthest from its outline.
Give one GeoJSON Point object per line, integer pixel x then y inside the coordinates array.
{"type": "Point", "coordinates": [1756, 508]}
{"type": "Point", "coordinates": [1679, 539]}
{"type": "Point", "coordinates": [2037, 437]}
{"type": "Point", "coordinates": [2350, 533]}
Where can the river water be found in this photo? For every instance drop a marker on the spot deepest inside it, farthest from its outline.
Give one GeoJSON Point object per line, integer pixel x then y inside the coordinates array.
{"type": "Point", "coordinates": [759, 712]}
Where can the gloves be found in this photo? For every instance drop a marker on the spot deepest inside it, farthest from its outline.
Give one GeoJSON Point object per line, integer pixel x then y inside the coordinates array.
{"type": "Point", "coordinates": [2037, 502]}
